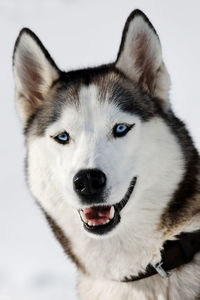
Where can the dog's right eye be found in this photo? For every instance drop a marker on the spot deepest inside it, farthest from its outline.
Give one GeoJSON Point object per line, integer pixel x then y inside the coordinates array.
{"type": "Point", "coordinates": [62, 138]}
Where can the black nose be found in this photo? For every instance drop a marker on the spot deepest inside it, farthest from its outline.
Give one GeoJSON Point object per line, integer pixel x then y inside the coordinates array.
{"type": "Point", "coordinates": [89, 182]}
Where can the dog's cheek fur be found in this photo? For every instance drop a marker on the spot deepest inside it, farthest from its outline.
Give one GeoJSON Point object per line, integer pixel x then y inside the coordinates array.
{"type": "Point", "coordinates": [47, 190]}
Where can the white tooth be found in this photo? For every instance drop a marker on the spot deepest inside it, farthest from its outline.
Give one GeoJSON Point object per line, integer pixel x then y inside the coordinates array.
{"type": "Point", "coordinates": [106, 222]}
{"type": "Point", "coordinates": [83, 217]}
{"type": "Point", "coordinates": [112, 213]}
{"type": "Point", "coordinates": [90, 223]}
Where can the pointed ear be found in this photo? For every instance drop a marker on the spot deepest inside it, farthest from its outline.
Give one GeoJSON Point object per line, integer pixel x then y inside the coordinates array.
{"type": "Point", "coordinates": [34, 72]}
{"type": "Point", "coordinates": [140, 57]}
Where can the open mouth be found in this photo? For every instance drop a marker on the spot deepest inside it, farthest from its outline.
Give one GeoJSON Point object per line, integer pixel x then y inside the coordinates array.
{"type": "Point", "coordinates": [103, 218]}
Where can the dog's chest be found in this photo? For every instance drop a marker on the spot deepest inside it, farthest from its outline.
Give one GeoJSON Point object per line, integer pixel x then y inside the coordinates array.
{"type": "Point", "coordinates": [182, 285]}
{"type": "Point", "coordinates": [108, 263]}
{"type": "Point", "coordinates": [113, 260]}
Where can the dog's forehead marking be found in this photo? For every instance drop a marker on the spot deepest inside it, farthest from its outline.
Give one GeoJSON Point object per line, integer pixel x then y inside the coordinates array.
{"type": "Point", "coordinates": [94, 113]}
{"type": "Point", "coordinates": [107, 94]}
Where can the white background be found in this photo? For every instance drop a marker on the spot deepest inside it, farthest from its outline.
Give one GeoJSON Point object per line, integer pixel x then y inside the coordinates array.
{"type": "Point", "coordinates": [77, 33]}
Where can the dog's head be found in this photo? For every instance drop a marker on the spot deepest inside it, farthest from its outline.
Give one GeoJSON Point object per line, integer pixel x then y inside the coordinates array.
{"type": "Point", "coordinates": [97, 138]}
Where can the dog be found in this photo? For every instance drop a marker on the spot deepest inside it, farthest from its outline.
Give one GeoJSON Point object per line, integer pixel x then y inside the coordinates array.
{"type": "Point", "coordinates": [113, 169]}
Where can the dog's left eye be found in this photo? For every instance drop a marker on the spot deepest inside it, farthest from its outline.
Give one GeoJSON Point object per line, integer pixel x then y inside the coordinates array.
{"type": "Point", "coordinates": [120, 130]}
{"type": "Point", "coordinates": [62, 138]}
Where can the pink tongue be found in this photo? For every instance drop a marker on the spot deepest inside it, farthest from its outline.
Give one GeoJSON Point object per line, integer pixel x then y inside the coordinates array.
{"type": "Point", "coordinates": [97, 214]}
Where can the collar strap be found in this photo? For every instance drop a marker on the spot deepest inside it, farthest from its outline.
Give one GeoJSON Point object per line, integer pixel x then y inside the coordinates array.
{"type": "Point", "coordinates": [174, 254]}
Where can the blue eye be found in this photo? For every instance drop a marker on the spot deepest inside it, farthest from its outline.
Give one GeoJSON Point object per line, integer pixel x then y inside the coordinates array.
{"type": "Point", "coordinates": [62, 138]}
{"type": "Point", "coordinates": [120, 130]}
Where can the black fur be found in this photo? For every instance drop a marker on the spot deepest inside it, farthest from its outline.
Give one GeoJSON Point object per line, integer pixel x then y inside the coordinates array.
{"type": "Point", "coordinates": [179, 208]}
{"type": "Point", "coordinates": [134, 101]}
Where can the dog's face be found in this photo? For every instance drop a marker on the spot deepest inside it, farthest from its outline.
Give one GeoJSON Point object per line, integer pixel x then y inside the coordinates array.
{"type": "Point", "coordinates": [97, 139]}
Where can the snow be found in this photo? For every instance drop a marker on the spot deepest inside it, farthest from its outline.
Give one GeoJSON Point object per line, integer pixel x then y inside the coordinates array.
{"type": "Point", "coordinates": [77, 33]}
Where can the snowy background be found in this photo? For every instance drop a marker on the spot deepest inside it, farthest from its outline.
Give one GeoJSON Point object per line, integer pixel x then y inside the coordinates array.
{"type": "Point", "coordinates": [77, 33]}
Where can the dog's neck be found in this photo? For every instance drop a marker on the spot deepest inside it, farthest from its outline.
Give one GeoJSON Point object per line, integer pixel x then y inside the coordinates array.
{"type": "Point", "coordinates": [174, 254]}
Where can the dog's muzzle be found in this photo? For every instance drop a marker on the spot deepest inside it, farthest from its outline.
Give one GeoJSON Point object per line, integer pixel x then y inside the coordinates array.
{"type": "Point", "coordinates": [101, 219]}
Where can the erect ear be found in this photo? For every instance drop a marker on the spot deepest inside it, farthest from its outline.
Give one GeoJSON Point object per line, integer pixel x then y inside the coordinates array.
{"type": "Point", "coordinates": [140, 57]}
{"type": "Point", "coordinates": [34, 72]}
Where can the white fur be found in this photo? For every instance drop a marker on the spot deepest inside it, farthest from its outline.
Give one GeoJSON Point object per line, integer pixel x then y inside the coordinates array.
{"type": "Point", "coordinates": [182, 285]}
{"type": "Point", "coordinates": [149, 151]}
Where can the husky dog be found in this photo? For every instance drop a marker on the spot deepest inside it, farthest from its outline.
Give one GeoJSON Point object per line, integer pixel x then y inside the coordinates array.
{"type": "Point", "coordinates": [113, 169]}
